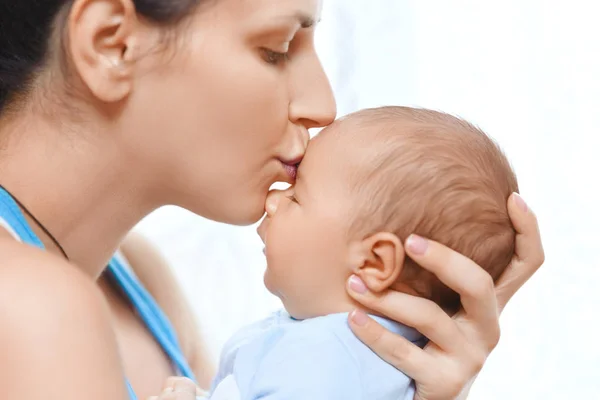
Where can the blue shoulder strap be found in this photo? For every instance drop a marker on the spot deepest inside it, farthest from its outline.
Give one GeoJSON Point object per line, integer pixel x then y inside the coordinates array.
{"type": "Point", "coordinates": [154, 318]}
{"type": "Point", "coordinates": [147, 308]}
{"type": "Point", "coordinates": [11, 213]}
{"type": "Point", "coordinates": [149, 311]}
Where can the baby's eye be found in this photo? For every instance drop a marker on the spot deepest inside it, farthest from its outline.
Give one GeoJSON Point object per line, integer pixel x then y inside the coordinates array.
{"type": "Point", "coordinates": [293, 198]}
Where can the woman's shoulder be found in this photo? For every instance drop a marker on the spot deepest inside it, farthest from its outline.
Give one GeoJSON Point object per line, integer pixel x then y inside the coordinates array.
{"type": "Point", "coordinates": [55, 327]}
{"type": "Point", "coordinates": [39, 290]}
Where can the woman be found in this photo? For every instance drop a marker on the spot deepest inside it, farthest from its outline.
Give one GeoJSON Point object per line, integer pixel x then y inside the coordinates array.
{"type": "Point", "coordinates": [113, 108]}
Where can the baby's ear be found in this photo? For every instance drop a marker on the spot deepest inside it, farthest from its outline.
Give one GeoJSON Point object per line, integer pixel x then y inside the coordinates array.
{"type": "Point", "coordinates": [378, 260]}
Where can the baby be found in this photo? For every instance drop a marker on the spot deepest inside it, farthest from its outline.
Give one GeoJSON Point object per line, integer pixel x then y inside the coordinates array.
{"type": "Point", "coordinates": [366, 183]}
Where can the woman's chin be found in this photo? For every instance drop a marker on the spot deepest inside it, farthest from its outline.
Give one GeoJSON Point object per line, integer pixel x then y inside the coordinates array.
{"type": "Point", "coordinates": [239, 213]}
{"type": "Point", "coordinates": [249, 218]}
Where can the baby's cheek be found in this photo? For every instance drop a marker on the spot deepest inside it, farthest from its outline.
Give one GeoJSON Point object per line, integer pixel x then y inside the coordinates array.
{"type": "Point", "coordinates": [275, 272]}
{"type": "Point", "coordinates": [283, 270]}
{"type": "Point", "coordinates": [281, 247]}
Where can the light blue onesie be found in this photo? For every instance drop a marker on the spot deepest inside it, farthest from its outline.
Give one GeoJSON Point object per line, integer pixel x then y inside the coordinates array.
{"type": "Point", "coordinates": [281, 358]}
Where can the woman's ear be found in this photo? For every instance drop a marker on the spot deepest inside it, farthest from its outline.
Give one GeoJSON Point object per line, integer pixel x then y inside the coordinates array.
{"type": "Point", "coordinates": [378, 260]}
{"type": "Point", "coordinates": [102, 39]}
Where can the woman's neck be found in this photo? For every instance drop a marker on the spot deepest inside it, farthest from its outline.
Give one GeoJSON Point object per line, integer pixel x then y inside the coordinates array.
{"type": "Point", "coordinates": [78, 184]}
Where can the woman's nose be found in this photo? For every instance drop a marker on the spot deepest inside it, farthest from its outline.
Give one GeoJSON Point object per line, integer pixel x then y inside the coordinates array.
{"type": "Point", "coordinates": [313, 104]}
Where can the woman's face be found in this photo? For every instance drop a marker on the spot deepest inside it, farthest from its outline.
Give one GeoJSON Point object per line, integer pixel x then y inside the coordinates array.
{"type": "Point", "coordinates": [228, 113]}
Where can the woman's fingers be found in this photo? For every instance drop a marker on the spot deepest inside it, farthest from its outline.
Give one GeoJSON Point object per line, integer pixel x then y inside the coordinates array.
{"type": "Point", "coordinates": [419, 313]}
{"type": "Point", "coordinates": [458, 346]}
{"type": "Point", "coordinates": [394, 349]}
{"type": "Point", "coordinates": [474, 285]}
{"type": "Point", "coordinates": [529, 252]}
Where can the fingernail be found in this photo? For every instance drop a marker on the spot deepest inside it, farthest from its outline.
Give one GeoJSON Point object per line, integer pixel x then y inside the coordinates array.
{"type": "Point", "coordinates": [416, 244]}
{"type": "Point", "coordinates": [520, 202]}
{"type": "Point", "coordinates": [168, 390]}
{"type": "Point", "coordinates": [357, 285]}
{"type": "Point", "coordinates": [359, 318]}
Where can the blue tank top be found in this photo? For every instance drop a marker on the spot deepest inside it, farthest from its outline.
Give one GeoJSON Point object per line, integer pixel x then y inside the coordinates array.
{"type": "Point", "coordinates": [147, 309]}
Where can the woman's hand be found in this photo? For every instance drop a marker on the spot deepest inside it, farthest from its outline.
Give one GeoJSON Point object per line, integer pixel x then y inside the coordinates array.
{"type": "Point", "coordinates": [459, 345]}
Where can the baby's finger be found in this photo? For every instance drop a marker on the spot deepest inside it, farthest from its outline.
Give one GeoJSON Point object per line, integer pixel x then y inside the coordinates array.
{"type": "Point", "coordinates": [184, 385]}
{"type": "Point", "coordinates": [170, 382]}
{"type": "Point", "coordinates": [178, 388]}
{"type": "Point", "coordinates": [176, 396]}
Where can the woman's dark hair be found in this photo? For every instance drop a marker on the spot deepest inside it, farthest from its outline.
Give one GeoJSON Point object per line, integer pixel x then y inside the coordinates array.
{"type": "Point", "coordinates": [26, 27]}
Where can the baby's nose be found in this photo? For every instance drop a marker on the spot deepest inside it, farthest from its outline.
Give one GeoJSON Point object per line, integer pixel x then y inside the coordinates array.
{"type": "Point", "coordinates": [272, 202]}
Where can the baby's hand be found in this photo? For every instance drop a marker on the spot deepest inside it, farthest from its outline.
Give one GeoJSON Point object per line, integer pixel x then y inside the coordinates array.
{"type": "Point", "coordinates": [177, 388]}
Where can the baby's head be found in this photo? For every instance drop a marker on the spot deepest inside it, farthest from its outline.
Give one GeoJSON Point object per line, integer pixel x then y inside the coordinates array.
{"type": "Point", "coordinates": [366, 183]}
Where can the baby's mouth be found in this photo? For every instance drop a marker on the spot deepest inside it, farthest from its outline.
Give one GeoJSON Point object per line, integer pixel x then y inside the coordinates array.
{"type": "Point", "coordinates": [262, 229]}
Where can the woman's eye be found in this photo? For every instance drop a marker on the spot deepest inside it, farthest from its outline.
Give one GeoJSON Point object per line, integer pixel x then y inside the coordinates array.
{"type": "Point", "coordinates": [274, 57]}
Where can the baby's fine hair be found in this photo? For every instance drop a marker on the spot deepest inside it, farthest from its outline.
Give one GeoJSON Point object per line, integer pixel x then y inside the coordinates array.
{"type": "Point", "coordinates": [435, 175]}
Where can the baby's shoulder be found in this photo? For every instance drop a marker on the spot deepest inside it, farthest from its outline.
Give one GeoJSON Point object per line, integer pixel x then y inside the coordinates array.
{"type": "Point", "coordinates": [323, 343]}
{"type": "Point", "coordinates": [285, 356]}
{"type": "Point", "coordinates": [252, 333]}
{"type": "Point", "coordinates": [377, 378]}
{"type": "Point", "coordinates": [297, 360]}
{"type": "Point", "coordinates": [279, 337]}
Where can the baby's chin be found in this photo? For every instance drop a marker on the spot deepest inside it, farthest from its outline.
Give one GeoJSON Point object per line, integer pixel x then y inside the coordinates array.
{"type": "Point", "coordinates": [271, 285]}
{"type": "Point", "coordinates": [268, 283]}
{"type": "Point", "coordinates": [296, 309]}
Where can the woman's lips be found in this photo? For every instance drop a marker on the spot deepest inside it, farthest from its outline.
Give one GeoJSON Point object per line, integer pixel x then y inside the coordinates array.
{"type": "Point", "coordinates": [290, 165]}
{"type": "Point", "coordinates": [291, 170]}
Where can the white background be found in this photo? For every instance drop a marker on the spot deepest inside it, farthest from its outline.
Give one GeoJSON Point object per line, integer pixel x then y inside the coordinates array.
{"type": "Point", "coordinates": [526, 71]}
